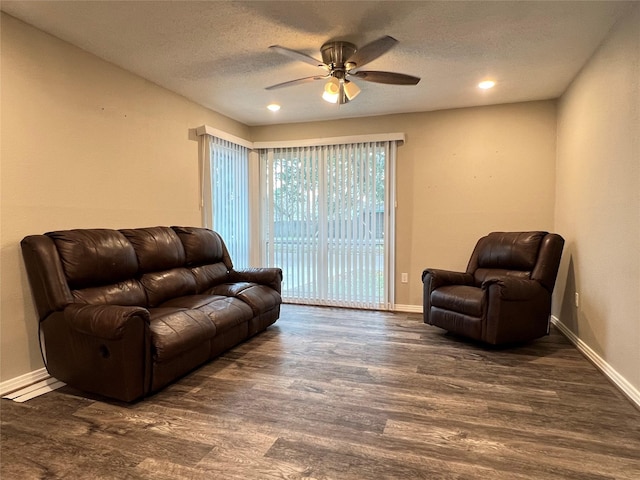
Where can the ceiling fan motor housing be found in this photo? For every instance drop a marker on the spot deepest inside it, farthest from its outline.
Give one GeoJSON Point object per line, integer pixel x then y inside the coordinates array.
{"type": "Point", "coordinates": [336, 54]}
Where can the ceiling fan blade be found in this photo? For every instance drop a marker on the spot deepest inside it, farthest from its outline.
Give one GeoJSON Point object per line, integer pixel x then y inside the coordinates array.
{"type": "Point", "coordinates": [297, 82]}
{"type": "Point", "coordinates": [303, 57]}
{"type": "Point", "coordinates": [386, 77]}
{"type": "Point", "coordinates": [372, 50]}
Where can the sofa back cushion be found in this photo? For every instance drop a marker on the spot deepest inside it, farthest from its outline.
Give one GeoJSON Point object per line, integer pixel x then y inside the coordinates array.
{"type": "Point", "coordinates": [208, 276]}
{"type": "Point", "coordinates": [142, 266]}
{"type": "Point", "coordinates": [168, 284]}
{"type": "Point", "coordinates": [207, 255]}
{"type": "Point", "coordinates": [157, 248]}
{"type": "Point", "coordinates": [162, 258]}
{"type": "Point", "coordinates": [94, 257]}
{"type": "Point", "coordinates": [203, 246]}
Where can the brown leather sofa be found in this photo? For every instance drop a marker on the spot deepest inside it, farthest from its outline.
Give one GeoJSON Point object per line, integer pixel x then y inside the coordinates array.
{"type": "Point", "coordinates": [505, 294]}
{"type": "Point", "coordinates": [125, 312]}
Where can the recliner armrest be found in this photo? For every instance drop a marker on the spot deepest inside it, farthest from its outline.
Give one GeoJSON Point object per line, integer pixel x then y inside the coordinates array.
{"type": "Point", "coordinates": [440, 278]}
{"type": "Point", "coordinates": [513, 288]}
{"type": "Point", "coordinates": [433, 278]}
{"type": "Point", "coordinates": [269, 276]}
{"type": "Point", "coordinates": [103, 321]}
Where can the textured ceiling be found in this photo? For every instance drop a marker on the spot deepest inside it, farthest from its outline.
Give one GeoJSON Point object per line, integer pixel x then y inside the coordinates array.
{"type": "Point", "coordinates": [216, 52]}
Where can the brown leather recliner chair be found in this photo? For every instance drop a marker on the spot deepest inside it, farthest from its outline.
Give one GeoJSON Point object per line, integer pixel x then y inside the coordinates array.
{"type": "Point", "coordinates": [505, 294]}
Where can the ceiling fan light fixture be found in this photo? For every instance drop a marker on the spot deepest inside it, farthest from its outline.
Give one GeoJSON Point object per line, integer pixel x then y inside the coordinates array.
{"type": "Point", "coordinates": [331, 92]}
{"type": "Point", "coordinates": [351, 90]}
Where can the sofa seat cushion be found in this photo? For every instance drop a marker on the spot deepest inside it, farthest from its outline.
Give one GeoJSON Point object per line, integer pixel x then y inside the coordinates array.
{"type": "Point", "coordinates": [259, 297]}
{"type": "Point", "coordinates": [223, 311]}
{"type": "Point", "coordinates": [459, 298]}
{"type": "Point", "coordinates": [177, 330]}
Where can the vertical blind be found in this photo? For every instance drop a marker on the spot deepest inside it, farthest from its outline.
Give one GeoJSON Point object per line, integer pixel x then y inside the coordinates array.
{"type": "Point", "coordinates": [229, 164]}
{"type": "Point", "coordinates": [326, 222]}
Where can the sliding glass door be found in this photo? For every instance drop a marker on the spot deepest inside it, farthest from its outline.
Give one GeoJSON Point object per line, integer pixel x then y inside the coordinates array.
{"type": "Point", "coordinates": [327, 222]}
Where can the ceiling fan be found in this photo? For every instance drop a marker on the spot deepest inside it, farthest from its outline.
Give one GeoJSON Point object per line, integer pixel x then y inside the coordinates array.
{"type": "Point", "coordinates": [342, 61]}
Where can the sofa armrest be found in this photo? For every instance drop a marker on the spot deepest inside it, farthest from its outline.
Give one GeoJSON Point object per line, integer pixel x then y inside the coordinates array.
{"type": "Point", "coordinates": [269, 276]}
{"type": "Point", "coordinates": [104, 349]}
{"type": "Point", "coordinates": [103, 321]}
{"type": "Point", "coordinates": [512, 288]}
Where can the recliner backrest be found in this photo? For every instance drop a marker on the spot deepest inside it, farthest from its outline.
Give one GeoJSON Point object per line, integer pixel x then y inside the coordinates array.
{"type": "Point", "coordinates": [546, 269]}
{"type": "Point", "coordinates": [505, 254]}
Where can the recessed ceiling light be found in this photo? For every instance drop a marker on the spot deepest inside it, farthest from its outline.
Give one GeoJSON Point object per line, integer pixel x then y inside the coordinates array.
{"type": "Point", "coordinates": [486, 84]}
{"type": "Point", "coordinates": [274, 107]}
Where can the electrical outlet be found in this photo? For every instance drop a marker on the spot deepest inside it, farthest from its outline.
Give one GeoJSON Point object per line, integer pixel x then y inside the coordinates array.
{"type": "Point", "coordinates": [577, 299]}
{"type": "Point", "coordinates": [404, 277]}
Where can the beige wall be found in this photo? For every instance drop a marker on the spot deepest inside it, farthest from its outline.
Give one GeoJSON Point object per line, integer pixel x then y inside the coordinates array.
{"type": "Point", "coordinates": [84, 144]}
{"type": "Point", "coordinates": [460, 174]}
{"type": "Point", "coordinates": [598, 201]}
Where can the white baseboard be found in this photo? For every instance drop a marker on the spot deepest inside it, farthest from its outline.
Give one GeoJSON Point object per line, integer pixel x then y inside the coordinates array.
{"type": "Point", "coordinates": [34, 390]}
{"type": "Point", "coordinates": [618, 380]}
{"type": "Point", "coordinates": [407, 308]}
{"type": "Point", "coordinates": [22, 381]}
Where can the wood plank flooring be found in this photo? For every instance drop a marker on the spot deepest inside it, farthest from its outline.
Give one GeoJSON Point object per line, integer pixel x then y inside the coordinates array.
{"type": "Point", "coordinates": [343, 394]}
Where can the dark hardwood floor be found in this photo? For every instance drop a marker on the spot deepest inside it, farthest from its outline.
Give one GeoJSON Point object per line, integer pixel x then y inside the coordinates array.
{"type": "Point", "coordinates": [343, 394]}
